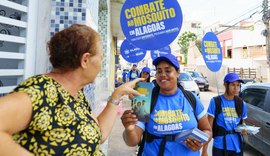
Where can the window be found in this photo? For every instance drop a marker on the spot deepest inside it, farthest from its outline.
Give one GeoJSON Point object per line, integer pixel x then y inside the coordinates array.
{"type": "Point", "coordinates": [195, 25]}
{"type": "Point", "coordinates": [185, 77]}
{"type": "Point", "coordinates": [255, 96]}
{"type": "Point", "coordinates": [16, 43]}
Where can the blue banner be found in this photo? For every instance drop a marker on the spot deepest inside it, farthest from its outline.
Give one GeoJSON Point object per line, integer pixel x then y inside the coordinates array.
{"type": "Point", "coordinates": [212, 52]}
{"type": "Point", "coordinates": [160, 52]}
{"type": "Point", "coordinates": [151, 24]}
{"type": "Point", "coordinates": [130, 53]}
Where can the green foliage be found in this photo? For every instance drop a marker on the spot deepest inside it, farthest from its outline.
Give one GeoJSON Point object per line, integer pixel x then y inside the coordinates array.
{"type": "Point", "coordinates": [183, 42]}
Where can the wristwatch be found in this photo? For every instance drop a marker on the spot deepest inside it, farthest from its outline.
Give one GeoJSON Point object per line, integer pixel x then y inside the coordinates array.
{"type": "Point", "coordinates": [113, 101]}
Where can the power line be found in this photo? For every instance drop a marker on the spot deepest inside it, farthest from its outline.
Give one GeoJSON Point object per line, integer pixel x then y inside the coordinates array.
{"type": "Point", "coordinates": [246, 12]}
{"type": "Point", "coordinates": [250, 16]}
{"type": "Point", "coordinates": [258, 5]}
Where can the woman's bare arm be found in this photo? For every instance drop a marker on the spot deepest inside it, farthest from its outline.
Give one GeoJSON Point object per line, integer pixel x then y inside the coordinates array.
{"type": "Point", "coordinates": [15, 116]}
{"type": "Point", "coordinates": [210, 120]}
{"type": "Point", "coordinates": [107, 117]}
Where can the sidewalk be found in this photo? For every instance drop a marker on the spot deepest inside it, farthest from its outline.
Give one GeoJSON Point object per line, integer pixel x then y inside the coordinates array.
{"type": "Point", "coordinates": [116, 145]}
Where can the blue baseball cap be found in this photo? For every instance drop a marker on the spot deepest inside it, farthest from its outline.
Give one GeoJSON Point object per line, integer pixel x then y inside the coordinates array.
{"type": "Point", "coordinates": [146, 69]}
{"type": "Point", "coordinates": [168, 58]}
{"type": "Point", "coordinates": [232, 77]}
{"type": "Point", "coordinates": [134, 64]}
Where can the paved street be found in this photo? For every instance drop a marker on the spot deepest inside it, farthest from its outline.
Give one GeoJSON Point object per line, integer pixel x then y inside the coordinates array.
{"type": "Point", "coordinates": [117, 147]}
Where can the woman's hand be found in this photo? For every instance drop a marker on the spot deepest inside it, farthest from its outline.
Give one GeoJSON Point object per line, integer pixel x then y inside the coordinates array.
{"type": "Point", "coordinates": [204, 153]}
{"type": "Point", "coordinates": [132, 134]}
{"type": "Point", "coordinates": [130, 96]}
{"type": "Point", "coordinates": [244, 132]}
{"type": "Point", "coordinates": [194, 145]}
{"type": "Point", "coordinates": [126, 89]}
{"type": "Point", "coordinates": [129, 120]}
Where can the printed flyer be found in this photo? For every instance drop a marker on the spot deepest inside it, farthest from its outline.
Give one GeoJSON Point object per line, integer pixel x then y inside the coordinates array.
{"type": "Point", "coordinates": [141, 104]}
{"type": "Point", "coordinates": [192, 134]}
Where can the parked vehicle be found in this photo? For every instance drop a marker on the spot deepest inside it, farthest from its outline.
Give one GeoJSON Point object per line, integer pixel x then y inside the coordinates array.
{"type": "Point", "coordinates": [201, 81]}
{"type": "Point", "coordinates": [1, 85]}
{"type": "Point", "coordinates": [188, 83]}
{"type": "Point", "coordinates": [249, 80]}
{"type": "Point", "coordinates": [153, 72]}
{"type": "Point", "coordinates": [257, 97]}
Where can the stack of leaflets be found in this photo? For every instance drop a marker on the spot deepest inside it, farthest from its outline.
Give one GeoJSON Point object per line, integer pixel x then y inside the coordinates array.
{"type": "Point", "coordinates": [141, 104]}
{"type": "Point", "coordinates": [192, 134]}
{"type": "Point", "coordinates": [250, 129]}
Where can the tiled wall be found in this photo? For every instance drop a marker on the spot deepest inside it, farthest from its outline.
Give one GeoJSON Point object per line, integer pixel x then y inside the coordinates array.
{"type": "Point", "coordinates": [102, 27]}
{"type": "Point", "coordinates": [66, 12]}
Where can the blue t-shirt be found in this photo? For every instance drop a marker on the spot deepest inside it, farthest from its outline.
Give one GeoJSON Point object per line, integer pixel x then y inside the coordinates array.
{"type": "Point", "coordinates": [124, 76]}
{"type": "Point", "coordinates": [229, 120]}
{"type": "Point", "coordinates": [133, 75]}
{"type": "Point", "coordinates": [171, 115]}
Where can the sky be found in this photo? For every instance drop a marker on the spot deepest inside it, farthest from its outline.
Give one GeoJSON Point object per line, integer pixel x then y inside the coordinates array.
{"type": "Point", "coordinates": [224, 11]}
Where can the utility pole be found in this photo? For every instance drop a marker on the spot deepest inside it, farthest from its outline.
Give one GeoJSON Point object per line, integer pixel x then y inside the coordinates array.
{"type": "Point", "coordinates": [266, 33]}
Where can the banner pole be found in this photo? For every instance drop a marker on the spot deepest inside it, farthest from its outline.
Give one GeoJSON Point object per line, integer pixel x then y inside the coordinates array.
{"type": "Point", "coordinates": [216, 82]}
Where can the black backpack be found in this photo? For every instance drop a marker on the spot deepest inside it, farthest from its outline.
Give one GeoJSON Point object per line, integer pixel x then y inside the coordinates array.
{"type": "Point", "coordinates": [149, 137]}
{"type": "Point", "coordinates": [220, 131]}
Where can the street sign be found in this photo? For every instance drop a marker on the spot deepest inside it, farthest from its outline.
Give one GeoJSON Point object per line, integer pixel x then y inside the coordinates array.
{"type": "Point", "coordinates": [212, 52]}
{"type": "Point", "coordinates": [130, 53]}
{"type": "Point", "coordinates": [151, 24]}
{"type": "Point", "coordinates": [160, 52]}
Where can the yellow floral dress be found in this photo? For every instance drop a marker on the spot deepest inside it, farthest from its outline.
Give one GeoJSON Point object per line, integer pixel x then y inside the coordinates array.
{"type": "Point", "coordinates": [60, 125]}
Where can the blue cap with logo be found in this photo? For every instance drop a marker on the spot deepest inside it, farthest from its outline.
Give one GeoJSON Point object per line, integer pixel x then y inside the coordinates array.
{"type": "Point", "coordinates": [168, 58]}
{"type": "Point", "coordinates": [146, 69]}
{"type": "Point", "coordinates": [232, 77]}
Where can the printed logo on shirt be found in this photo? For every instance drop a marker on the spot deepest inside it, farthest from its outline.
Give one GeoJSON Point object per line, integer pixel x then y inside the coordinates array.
{"type": "Point", "coordinates": [230, 114]}
{"type": "Point", "coordinates": [169, 120]}
{"type": "Point", "coordinates": [134, 75]}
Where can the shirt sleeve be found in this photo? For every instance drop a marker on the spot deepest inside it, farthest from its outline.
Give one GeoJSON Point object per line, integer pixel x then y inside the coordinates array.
{"type": "Point", "coordinates": [141, 125]}
{"type": "Point", "coordinates": [32, 88]}
{"type": "Point", "coordinates": [212, 108]}
{"type": "Point", "coordinates": [200, 111]}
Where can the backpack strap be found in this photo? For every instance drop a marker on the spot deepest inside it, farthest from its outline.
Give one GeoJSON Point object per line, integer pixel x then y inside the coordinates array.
{"type": "Point", "coordinates": [191, 99]}
{"type": "Point", "coordinates": [154, 97]}
{"type": "Point", "coordinates": [217, 100]}
{"type": "Point", "coordinates": [239, 106]}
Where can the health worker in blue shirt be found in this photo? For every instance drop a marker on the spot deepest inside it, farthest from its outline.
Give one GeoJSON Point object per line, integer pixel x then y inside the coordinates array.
{"type": "Point", "coordinates": [124, 75]}
{"type": "Point", "coordinates": [228, 142]}
{"type": "Point", "coordinates": [145, 73]}
{"type": "Point", "coordinates": [133, 73]}
{"type": "Point", "coordinates": [171, 115]}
